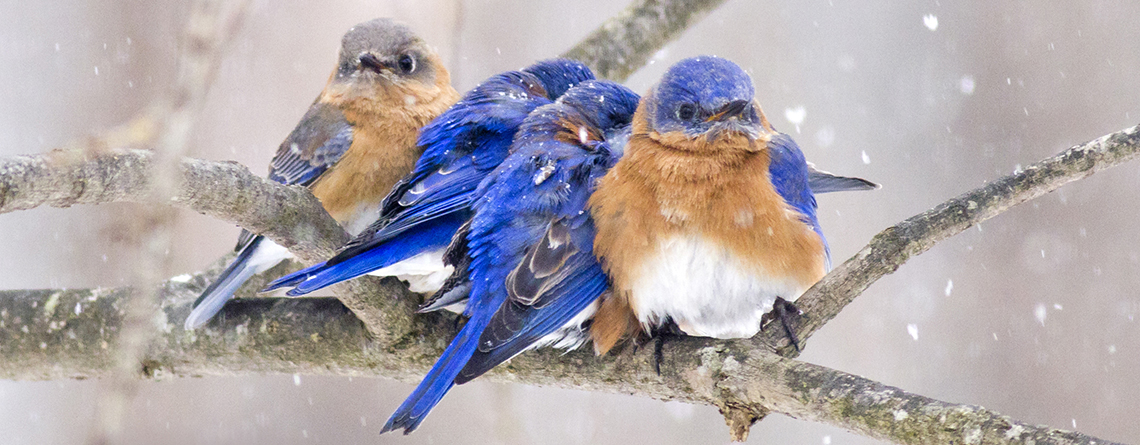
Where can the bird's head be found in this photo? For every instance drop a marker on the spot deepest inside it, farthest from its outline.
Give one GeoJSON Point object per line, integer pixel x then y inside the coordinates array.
{"type": "Point", "coordinates": [559, 75]}
{"type": "Point", "coordinates": [382, 53]}
{"type": "Point", "coordinates": [703, 104]}
{"type": "Point", "coordinates": [606, 105]}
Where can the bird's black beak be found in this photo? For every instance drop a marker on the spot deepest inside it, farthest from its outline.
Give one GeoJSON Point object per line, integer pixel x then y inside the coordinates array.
{"type": "Point", "coordinates": [736, 108]}
{"type": "Point", "coordinates": [369, 61]}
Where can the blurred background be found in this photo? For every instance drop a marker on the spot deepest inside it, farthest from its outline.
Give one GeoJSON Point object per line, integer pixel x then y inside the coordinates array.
{"type": "Point", "coordinates": [1031, 314]}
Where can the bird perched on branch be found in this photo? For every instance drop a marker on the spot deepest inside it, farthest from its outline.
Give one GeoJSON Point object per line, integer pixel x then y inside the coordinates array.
{"type": "Point", "coordinates": [353, 144]}
{"type": "Point", "coordinates": [532, 272]}
{"type": "Point", "coordinates": [424, 210]}
{"type": "Point", "coordinates": [709, 221]}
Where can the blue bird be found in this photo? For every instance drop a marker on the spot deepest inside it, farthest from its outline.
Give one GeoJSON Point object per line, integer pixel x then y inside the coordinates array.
{"type": "Point", "coordinates": [533, 275]}
{"type": "Point", "coordinates": [355, 141]}
{"type": "Point", "coordinates": [423, 211]}
{"type": "Point", "coordinates": [709, 220]}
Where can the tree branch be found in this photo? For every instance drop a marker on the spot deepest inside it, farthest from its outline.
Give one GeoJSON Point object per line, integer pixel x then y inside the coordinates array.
{"type": "Point", "coordinates": [69, 334]}
{"type": "Point", "coordinates": [894, 246]}
{"type": "Point", "coordinates": [625, 42]}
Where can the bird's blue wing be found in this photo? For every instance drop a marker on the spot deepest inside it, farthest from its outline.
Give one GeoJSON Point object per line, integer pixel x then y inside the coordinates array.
{"type": "Point", "coordinates": [790, 175]}
{"type": "Point", "coordinates": [316, 143]}
{"type": "Point", "coordinates": [530, 246]}
{"type": "Point", "coordinates": [461, 147]}
{"type": "Point", "coordinates": [557, 279]}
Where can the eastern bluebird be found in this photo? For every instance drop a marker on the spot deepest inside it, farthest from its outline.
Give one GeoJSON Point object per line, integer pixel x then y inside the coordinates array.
{"type": "Point", "coordinates": [534, 277]}
{"type": "Point", "coordinates": [709, 219]}
{"type": "Point", "coordinates": [423, 211]}
{"type": "Point", "coordinates": [357, 139]}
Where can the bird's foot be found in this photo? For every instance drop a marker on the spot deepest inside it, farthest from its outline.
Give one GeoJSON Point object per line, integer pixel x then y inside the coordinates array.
{"type": "Point", "coordinates": [788, 315]}
{"type": "Point", "coordinates": [660, 334]}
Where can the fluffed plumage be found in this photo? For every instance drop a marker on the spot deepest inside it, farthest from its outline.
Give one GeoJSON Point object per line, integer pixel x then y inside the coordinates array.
{"type": "Point", "coordinates": [352, 144]}
{"type": "Point", "coordinates": [425, 208]}
{"type": "Point", "coordinates": [533, 277]}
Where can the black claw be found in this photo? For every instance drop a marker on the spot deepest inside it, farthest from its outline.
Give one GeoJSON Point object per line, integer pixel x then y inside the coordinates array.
{"type": "Point", "coordinates": [660, 335]}
{"type": "Point", "coordinates": [458, 323]}
{"type": "Point", "coordinates": [788, 314]}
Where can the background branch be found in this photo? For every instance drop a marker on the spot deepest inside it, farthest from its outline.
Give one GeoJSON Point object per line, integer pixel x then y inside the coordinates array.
{"type": "Point", "coordinates": [625, 42]}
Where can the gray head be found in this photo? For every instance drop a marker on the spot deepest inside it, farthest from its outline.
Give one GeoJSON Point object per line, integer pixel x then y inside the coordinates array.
{"type": "Point", "coordinates": [386, 49]}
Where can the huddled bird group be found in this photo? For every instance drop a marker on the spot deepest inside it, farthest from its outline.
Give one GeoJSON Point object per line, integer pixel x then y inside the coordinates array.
{"type": "Point", "coordinates": [550, 208]}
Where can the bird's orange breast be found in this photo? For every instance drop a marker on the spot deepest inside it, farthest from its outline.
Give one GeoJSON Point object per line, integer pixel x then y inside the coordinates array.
{"type": "Point", "coordinates": [724, 197]}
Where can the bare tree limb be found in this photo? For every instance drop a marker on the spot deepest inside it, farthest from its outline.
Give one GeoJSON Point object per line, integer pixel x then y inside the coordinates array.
{"type": "Point", "coordinates": [894, 246]}
{"type": "Point", "coordinates": [290, 216]}
{"type": "Point", "coordinates": [210, 25]}
{"type": "Point", "coordinates": [70, 334]}
{"type": "Point", "coordinates": [228, 191]}
{"type": "Point", "coordinates": [625, 42]}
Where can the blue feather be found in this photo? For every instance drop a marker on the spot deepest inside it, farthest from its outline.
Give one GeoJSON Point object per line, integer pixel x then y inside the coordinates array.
{"type": "Point", "coordinates": [530, 243]}
{"type": "Point", "coordinates": [461, 147]}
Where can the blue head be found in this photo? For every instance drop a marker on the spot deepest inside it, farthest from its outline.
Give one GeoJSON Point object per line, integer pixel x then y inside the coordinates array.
{"type": "Point", "coordinates": [559, 75]}
{"type": "Point", "coordinates": [707, 97]}
{"type": "Point", "coordinates": [607, 105]}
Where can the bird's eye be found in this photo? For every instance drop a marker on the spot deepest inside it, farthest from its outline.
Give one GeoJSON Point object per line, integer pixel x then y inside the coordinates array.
{"type": "Point", "coordinates": [686, 112]}
{"type": "Point", "coordinates": [407, 64]}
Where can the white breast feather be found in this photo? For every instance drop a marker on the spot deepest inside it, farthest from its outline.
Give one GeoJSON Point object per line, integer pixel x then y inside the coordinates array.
{"type": "Point", "coordinates": [706, 289]}
{"type": "Point", "coordinates": [425, 273]}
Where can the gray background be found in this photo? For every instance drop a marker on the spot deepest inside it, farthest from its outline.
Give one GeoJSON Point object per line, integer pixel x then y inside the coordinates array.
{"type": "Point", "coordinates": [1039, 322]}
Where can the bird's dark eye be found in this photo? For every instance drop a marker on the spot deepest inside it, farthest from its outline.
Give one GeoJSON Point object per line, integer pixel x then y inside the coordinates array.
{"type": "Point", "coordinates": [686, 112]}
{"type": "Point", "coordinates": [407, 64]}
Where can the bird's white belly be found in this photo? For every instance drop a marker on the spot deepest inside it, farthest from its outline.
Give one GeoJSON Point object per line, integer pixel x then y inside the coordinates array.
{"type": "Point", "coordinates": [425, 273]}
{"type": "Point", "coordinates": [706, 289]}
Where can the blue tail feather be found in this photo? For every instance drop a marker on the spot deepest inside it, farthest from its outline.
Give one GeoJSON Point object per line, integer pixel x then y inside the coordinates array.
{"type": "Point", "coordinates": [435, 235]}
{"type": "Point", "coordinates": [440, 378]}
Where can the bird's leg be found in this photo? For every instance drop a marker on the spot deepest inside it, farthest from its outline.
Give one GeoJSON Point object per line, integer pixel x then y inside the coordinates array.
{"type": "Point", "coordinates": [788, 315]}
{"type": "Point", "coordinates": [660, 334]}
{"type": "Point", "coordinates": [460, 320]}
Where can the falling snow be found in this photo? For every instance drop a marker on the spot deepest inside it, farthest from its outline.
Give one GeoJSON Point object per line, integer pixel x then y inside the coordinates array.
{"type": "Point", "coordinates": [297, 379]}
{"type": "Point", "coordinates": [1040, 313]}
{"type": "Point", "coordinates": [966, 84]}
{"type": "Point", "coordinates": [795, 116]}
{"type": "Point", "coordinates": [949, 287]}
{"type": "Point", "coordinates": [912, 329]}
{"type": "Point", "coordinates": [931, 21]}
{"type": "Point", "coordinates": [866, 159]}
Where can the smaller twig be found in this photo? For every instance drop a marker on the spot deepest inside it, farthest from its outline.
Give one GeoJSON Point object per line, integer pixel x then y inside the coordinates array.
{"type": "Point", "coordinates": [892, 247]}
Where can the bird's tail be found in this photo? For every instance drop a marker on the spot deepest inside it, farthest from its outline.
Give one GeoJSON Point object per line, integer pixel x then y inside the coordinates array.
{"type": "Point", "coordinates": [255, 257]}
{"type": "Point", "coordinates": [440, 378]}
{"type": "Point", "coordinates": [385, 254]}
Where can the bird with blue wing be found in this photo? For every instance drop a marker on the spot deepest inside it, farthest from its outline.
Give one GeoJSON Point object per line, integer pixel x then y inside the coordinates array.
{"type": "Point", "coordinates": [709, 221]}
{"type": "Point", "coordinates": [423, 211]}
{"type": "Point", "coordinates": [533, 277]}
{"type": "Point", "coordinates": [355, 141]}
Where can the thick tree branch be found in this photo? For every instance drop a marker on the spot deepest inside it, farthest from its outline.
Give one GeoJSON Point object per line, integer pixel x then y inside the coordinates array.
{"type": "Point", "coordinates": [70, 334]}
{"type": "Point", "coordinates": [625, 42]}
{"type": "Point", "coordinates": [291, 216]}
